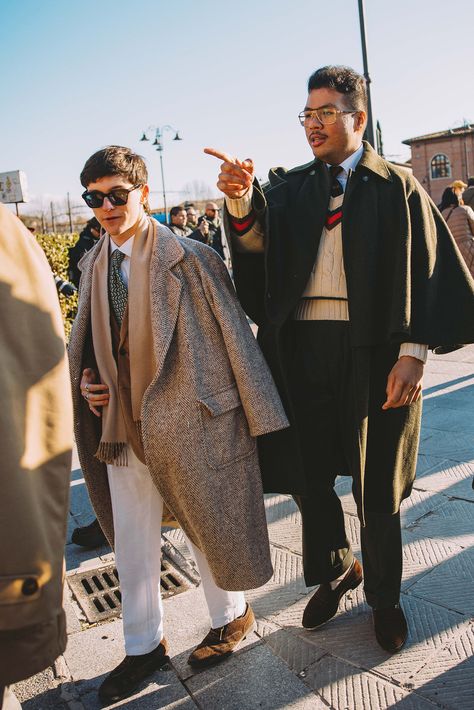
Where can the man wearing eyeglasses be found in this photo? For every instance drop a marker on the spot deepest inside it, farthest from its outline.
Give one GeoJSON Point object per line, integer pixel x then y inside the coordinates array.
{"type": "Point", "coordinates": [349, 271]}
{"type": "Point", "coordinates": [165, 414]}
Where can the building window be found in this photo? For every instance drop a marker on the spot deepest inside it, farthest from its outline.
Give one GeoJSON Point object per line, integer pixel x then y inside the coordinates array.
{"type": "Point", "coordinates": [440, 166]}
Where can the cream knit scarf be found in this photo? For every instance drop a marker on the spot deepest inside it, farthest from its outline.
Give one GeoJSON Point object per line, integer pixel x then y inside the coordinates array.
{"type": "Point", "coordinates": [113, 444]}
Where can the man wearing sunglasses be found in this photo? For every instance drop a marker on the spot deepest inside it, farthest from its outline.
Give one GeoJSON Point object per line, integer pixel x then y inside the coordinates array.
{"type": "Point", "coordinates": [350, 272]}
{"type": "Point", "coordinates": [166, 415]}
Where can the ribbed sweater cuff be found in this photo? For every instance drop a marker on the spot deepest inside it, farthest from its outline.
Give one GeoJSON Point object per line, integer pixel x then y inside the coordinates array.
{"type": "Point", "coordinates": [242, 206]}
{"type": "Point", "coordinates": [414, 350]}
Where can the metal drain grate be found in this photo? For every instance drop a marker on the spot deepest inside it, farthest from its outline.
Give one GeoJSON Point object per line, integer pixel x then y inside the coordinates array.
{"type": "Point", "coordinates": [97, 591]}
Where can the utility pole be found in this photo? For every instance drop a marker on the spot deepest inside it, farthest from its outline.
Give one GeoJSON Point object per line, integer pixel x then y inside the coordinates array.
{"type": "Point", "coordinates": [53, 225]}
{"type": "Point", "coordinates": [69, 212]}
{"type": "Point", "coordinates": [369, 131]}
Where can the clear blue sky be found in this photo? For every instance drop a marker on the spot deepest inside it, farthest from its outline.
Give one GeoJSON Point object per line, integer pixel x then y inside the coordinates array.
{"type": "Point", "coordinates": [78, 75]}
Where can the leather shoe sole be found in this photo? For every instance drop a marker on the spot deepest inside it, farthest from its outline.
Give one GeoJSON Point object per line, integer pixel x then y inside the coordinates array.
{"type": "Point", "coordinates": [324, 603]}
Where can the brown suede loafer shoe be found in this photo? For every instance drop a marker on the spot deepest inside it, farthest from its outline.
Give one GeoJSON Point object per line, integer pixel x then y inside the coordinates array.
{"type": "Point", "coordinates": [324, 603]}
{"type": "Point", "coordinates": [391, 629]}
{"type": "Point", "coordinates": [126, 678]}
{"type": "Point", "coordinates": [221, 643]}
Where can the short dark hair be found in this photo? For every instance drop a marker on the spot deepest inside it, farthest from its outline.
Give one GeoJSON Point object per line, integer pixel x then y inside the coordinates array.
{"type": "Point", "coordinates": [174, 210]}
{"type": "Point", "coordinates": [470, 181]}
{"type": "Point", "coordinates": [344, 80]}
{"type": "Point", "coordinates": [448, 199]}
{"type": "Point", "coordinates": [115, 160]}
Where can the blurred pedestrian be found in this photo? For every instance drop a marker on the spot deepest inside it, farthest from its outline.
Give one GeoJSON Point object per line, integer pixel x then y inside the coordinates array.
{"type": "Point", "coordinates": [88, 238]}
{"type": "Point", "coordinates": [212, 217]}
{"type": "Point", "coordinates": [468, 194]}
{"type": "Point", "coordinates": [36, 445]}
{"type": "Point", "coordinates": [460, 220]}
{"type": "Point", "coordinates": [192, 217]}
{"type": "Point", "coordinates": [458, 187]}
{"type": "Point", "coordinates": [157, 352]}
{"type": "Point", "coordinates": [178, 225]}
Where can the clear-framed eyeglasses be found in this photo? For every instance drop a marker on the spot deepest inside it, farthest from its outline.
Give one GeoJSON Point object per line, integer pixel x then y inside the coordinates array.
{"type": "Point", "coordinates": [326, 115]}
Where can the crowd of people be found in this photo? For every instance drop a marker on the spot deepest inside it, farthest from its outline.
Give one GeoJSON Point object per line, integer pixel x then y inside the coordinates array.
{"type": "Point", "coordinates": [350, 273]}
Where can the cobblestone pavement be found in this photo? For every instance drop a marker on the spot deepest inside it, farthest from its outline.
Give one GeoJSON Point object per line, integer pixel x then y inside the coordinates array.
{"type": "Point", "coordinates": [340, 665]}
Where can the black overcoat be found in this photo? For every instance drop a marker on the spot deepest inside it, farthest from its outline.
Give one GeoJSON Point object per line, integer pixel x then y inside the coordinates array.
{"type": "Point", "coordinates": [406, 282]}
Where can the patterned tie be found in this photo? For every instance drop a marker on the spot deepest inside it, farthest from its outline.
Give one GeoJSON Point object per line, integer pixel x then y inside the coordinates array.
{"type": "Point", "coordinates": [118, 292]}
{"type": "Point", "coordinates": [334, 217]}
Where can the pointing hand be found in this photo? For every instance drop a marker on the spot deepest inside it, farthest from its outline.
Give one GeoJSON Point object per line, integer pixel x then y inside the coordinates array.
{"type": "Point", "coordinates": [236, 175]}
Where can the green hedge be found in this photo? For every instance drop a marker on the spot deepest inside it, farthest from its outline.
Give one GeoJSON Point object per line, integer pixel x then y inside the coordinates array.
{"type": "Point", "coordinates": [56, 246]}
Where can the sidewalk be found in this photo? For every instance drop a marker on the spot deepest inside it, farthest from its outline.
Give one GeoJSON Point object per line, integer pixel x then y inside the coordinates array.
{"type": "Point", "coordinates": [340, 665]}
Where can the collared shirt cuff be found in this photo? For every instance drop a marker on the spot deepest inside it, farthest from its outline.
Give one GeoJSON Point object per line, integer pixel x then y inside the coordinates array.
{"type": "Point", "coordinates": [414, 350]}
{"type": "Point", "coordinates": [242, 206]}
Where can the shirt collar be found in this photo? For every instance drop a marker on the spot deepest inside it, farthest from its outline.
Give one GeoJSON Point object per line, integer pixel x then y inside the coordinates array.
{"type": "Point", "coordinates": [350, 163]}
{"type": "Point", "coordinates": [126, 248]}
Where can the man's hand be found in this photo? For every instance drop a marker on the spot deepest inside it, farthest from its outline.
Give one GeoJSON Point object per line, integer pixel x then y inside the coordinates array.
{"type": "Point", "coordinates": [404, 382]}
{"type": "Point", "coordinates": [96, 395]}
{"type": "Point", "coordinates": [235, 176]}
{"type": "Point", "coordinates": [204, 228]}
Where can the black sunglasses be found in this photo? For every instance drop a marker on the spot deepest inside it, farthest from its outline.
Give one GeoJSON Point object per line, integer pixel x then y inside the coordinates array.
{"type": "Point", "coordinates": [117, 197]}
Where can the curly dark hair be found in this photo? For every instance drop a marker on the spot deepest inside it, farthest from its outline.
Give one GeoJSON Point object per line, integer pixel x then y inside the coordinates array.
{"type": "Point", "coordinates": [344, 80]}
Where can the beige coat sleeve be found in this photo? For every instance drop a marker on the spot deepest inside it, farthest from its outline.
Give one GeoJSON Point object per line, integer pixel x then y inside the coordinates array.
{"type": "Point", "coordinates": [36, 444]}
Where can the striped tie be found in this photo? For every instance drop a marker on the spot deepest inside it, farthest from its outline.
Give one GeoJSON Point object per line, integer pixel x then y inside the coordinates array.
{"type": "Point", "coordinates": [118, 292]}
{"type": "Point", "coordinates": [334, 217]}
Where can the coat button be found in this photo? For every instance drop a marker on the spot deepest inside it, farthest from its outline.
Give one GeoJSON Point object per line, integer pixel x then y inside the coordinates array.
{"type": "Point", "coordinates": [313, 172]}
{"type": "Point", "coordinates": [365, 178]}
{"type": "Point", "coordinates": [30, 587]}
{"type": "Point", "coordinates": [269, 295]}
{"type": "Point", "coordinates": [122, 351]}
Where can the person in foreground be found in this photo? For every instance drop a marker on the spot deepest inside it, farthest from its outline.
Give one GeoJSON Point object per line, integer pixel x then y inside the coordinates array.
{"type": "Point", "coordinates": [36, 446]}
{"type": "Point", "coordinates": [350, 272]}
{"type": "Point", "coordinates": [166, 413]}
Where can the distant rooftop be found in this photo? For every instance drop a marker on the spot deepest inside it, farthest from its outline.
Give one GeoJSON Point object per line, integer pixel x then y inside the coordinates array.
{"type": "Point", "coordinates": [468, 128]}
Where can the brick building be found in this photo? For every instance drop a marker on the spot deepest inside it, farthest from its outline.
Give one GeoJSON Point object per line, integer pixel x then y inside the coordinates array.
{"type": "Point", "coordinates": [439, 158]}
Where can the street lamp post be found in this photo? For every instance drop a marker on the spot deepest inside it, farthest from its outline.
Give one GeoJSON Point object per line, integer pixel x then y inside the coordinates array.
{"type": "Point", "coordinates": [158, 142]}
{"type": "Point", "coordinates": [370, 123]}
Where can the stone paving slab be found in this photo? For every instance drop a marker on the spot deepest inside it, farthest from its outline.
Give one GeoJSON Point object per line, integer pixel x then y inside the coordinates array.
{"type": "Point", "coordinates": [448, 679]}
{"type": "Point", "coordinates": [351, 638]}
{"type": "Point", "coordinates": [450, 584]}
{"type": "Point", "coordinates": [296, 652]}
{"type": "Point", "coordinates": [451, 521]}
{"type": "Point", "coordinates": [345, 687]}
{"type": "Point", "coordinates": [40, 692]}
{"type": "Point", "coordinates": [443, 476]}
{"type": "Point", "coordinates": [254, 680]}
{"type": "Point", "coordinates": [281, 508]}
{"type": "Point", "coordinates": [421, 555]}
{"type": "Point", "coordinates": [457, 446]}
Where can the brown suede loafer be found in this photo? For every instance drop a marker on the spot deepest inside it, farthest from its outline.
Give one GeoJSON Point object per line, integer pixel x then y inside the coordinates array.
{"type": "Point", "coordinates": [324, 603]}
{"type": "Point", "coordinates": [221, 643]}
{"type": "Point", "coordinates": [391, 629]}
{"type": "Point", "coordinates": [126, 678]}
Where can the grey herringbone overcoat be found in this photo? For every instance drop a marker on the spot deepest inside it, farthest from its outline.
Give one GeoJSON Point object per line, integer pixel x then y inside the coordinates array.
{"type": "Point", "coordinates": [211, 395]}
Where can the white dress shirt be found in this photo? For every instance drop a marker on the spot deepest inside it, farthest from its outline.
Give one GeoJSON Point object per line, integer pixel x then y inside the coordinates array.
{"type": "Point", "coordinates": [126, 249]}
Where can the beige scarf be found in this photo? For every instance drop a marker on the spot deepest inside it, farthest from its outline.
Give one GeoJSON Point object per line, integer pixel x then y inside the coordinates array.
{"type": "Point", "coordinates": [113, 444]}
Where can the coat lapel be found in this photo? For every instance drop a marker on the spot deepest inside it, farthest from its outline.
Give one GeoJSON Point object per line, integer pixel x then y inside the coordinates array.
{"type": "Point", "coordinates": [165, 291]}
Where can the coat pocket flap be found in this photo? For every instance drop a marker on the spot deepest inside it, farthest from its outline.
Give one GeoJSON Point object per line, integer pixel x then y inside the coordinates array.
{"type": "Point", "coordinates": [222, 402]}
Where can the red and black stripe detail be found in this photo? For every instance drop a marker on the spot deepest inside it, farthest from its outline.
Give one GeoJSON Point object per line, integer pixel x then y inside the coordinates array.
{"type": "Point", "coordinates": [242, 225]}
{"type": "Point", "coordinates": [333, 218]}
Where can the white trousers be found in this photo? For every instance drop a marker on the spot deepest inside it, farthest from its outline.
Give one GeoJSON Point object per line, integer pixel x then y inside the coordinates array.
{"type": "Point", "coordinates": [137, 511]}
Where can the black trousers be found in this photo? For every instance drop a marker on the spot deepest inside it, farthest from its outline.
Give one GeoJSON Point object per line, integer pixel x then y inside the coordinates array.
{"type": "Point", "coordinates": [323, 391]}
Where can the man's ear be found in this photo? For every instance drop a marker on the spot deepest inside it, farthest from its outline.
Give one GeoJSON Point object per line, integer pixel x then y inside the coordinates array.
{"type": "Point", "coordinates": [361, 120]}
{"type": "Point", "coordinates": [145, 193]}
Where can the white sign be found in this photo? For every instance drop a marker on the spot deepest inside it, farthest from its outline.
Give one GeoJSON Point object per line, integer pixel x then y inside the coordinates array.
{"type": "Point", "coordinates": [13, 187]}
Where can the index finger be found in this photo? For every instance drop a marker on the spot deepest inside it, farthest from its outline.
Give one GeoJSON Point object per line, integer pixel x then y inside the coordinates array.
{"type": "Point", "coordinates": [219, 154]}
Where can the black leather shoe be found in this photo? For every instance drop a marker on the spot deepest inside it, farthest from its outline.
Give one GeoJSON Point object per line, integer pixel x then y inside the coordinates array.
{"type": "Point", "coordinates": [89, 536]}
{"type": "Point", "coordinates": [391, 629]}
{"type": "Point", "coordinates": [324, 603]}
{"type": "Point", "coordinates": [126, 678]}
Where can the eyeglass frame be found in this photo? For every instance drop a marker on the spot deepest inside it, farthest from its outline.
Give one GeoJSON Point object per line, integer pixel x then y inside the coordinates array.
{"type": "Point", "coordinates": [314, 114]}
{"type": "Point", "coordinates": [108, 194]}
